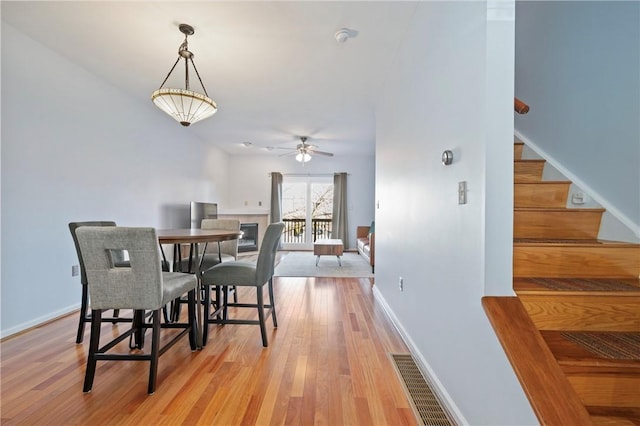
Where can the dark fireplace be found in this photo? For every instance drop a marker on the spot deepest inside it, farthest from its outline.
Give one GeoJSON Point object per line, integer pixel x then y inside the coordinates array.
{"type": "Point", "coordinates": [249, 239]}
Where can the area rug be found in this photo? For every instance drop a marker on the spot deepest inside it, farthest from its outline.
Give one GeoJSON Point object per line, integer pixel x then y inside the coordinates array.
{"type": "Point", "coordinates": [303, 264]}
{"type": "Point", "coordinates": [608, 345]}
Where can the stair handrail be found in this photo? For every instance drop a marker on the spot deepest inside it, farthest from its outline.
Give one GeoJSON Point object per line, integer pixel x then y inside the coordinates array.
{"type": "Point", "coordinates": [552, 398]}
{"type": "Point", "coordinates": [520, 107]}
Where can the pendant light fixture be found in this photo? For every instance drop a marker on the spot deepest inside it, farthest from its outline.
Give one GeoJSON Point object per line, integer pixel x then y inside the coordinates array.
{"type": "Point", "coordinates": [184, 105]}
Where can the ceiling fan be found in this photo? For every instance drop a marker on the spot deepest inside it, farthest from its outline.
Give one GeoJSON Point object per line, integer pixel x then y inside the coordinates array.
{"type": "Point", "coordinates": [304, 150]}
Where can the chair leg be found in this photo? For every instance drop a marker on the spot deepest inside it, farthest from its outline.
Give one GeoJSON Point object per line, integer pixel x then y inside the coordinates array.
{"type": "Point", "coordinates": [225, 301]}
{"type": "Point", "coordinates": [218, 301]}
{"type": "Point", "coordinates": [273, 303]}
{"type": "Point", "coordinates": [116, 314]}
{"type": "Point", "coordinates": [175, 310]}
{"type": "Point", "coordinates": [155, 351]}
{"type": "Point", "coordinates": [263, 329]}
{"type": "Point", "coordinates": [165, 313]}
{"type": "Point", "coordinates": [207, 309]}
{"type": "Point", "coordinates": [138, 322]}
{"type": "Point", "coordinates": [96, 320]}
{"type": "Point", "coordinates": [83, 314]}
{"type": "Point", "coordinates": [193, 324]}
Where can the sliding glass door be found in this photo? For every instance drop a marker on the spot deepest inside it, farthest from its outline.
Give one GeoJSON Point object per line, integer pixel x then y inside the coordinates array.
{"type": "Point", "coordinates": [307, 208]}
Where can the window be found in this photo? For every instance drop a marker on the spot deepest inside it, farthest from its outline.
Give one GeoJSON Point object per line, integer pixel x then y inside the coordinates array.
{"type": "Point", "coordinates": [307, 209]}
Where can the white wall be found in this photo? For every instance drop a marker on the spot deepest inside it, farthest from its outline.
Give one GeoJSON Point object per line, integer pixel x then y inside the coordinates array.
{"type": "Point", "coordinates": [75, 148]}
{"type": "Point", "coordinates": [249, 181]}
{"type": "Point", "coordinates": [578, 67]}
{"type": "Point", "coordinates": [448, 90]}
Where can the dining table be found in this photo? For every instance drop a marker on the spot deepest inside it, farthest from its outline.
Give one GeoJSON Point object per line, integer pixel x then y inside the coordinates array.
{"type": "Point", "coordinates": [193, 237]}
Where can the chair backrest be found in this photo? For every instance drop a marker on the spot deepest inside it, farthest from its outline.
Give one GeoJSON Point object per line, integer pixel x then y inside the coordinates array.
{"type": "Point", "coordinates": [226, 247]}
{"type": "Point", "coordinates": [75, 225]}
{"type": "Point", "coordinates": [267, 255]}
{"type": "Point", "coordinates": [137, 285]}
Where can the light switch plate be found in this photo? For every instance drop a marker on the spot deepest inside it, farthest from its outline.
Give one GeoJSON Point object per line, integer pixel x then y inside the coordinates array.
{"type": "Point", "coordinates": [462, 192]}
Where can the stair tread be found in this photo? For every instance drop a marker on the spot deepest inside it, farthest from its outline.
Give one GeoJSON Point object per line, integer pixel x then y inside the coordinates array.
{"type": "Point", "coordinates": [530, 160]}
{"type": "Point", "coordinates": [616, 415]}
{"type": "Point", "coordinates": [543, 182]}
{"type": "Point", "coordinates": [614, 421]}
{"type": "Point", "coordinates": [572, 242]}
{"type": "Point", "coordinates": [578, 285]}
{"type": "Point", "coordinates": [559, 209]}
{"type": "Point", "coordinates": [568, 353]}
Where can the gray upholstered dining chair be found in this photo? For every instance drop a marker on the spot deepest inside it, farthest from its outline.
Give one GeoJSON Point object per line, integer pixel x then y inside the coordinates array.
{"type": "Point", "coordinates": [223, 251]}
{"type": "Point", "coordinates": [85, 316]}
{"type": "Point", "coordinates": [243, 274]}
{"type": "Point", "coordinates": [214, 253]}
{"type": "Point", "coordinates": [140, 285]}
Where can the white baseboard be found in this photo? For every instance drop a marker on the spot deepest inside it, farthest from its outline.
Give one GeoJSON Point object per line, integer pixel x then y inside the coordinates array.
{"type": "Point", "coordinates": [38, 321]}
{"type": "Point", "coordinates": [633, 227]}
{"type": "Point", "coordinates": [441, 393]}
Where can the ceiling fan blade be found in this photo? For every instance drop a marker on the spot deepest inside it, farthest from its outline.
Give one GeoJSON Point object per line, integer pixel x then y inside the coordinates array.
{"type": "Point", "coordinates": [328, 154]}
{"type": "Point", "coordinates": [288, 154]}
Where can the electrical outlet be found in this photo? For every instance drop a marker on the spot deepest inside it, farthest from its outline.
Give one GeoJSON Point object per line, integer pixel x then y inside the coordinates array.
{"type": "Point", "coordinates": [75, 270]}
{"type": "Point", "coordinates": [578, 198]}
{"type": "Point", "coordinates": [401, 284]}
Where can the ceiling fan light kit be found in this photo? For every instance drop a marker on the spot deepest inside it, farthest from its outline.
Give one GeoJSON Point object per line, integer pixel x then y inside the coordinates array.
{"type": "Point", "coordinates": [304, 151]}
{"type": "Point", "coordinates": [303, 157]}
{"type": "Point", "coordinates": [184, 105]}
{"type": "Point", "coordinates": [303, 154]}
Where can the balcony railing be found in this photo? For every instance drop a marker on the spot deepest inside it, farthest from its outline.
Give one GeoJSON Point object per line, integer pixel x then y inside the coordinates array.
{"type": "Point", "coordinates": [295, 230]}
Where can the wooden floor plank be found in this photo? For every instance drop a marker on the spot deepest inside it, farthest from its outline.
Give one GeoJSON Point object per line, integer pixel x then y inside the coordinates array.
{"type": "Point", "coordinates": [326, 364]}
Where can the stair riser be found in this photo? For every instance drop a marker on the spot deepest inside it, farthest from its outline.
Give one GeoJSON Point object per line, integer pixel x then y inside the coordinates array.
{"type": "Point", "coordinates": [575, 262]}
{"type": "Point", "coordinates": [566, 224]}
{"type": "Point", "coordinates": [517, 151]}
{"type": "Point", "coordinates": [551, 195]}
{"type": "Point", "coordinates": [607, 390]}
{"type": "Point", "coordinates": [528, 171]}
{"type": "Point", "coordinates": [583, 313]}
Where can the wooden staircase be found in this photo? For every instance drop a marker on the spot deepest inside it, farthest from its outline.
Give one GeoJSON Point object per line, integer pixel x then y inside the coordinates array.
{"type": "Point", "coordinates": [573, 286]}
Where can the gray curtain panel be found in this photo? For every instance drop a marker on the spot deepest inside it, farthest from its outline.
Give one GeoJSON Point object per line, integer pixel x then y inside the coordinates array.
{"type": "Point", "coordinates": [276, 197]}
{"type": "Point", "coordinates": [340, 225]}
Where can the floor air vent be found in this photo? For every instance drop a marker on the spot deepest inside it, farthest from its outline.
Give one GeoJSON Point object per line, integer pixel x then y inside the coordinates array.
{"type": "Point", "coordinates": [426, 406]}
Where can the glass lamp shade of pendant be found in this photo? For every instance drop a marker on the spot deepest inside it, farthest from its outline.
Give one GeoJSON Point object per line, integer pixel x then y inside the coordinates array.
{"type": "Point", "coordinates": [303, 157]}
{"type": "Point", "coordinates": [185, 106]}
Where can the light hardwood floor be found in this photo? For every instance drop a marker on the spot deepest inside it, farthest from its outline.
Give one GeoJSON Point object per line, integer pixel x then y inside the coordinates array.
{"type": "Point", "coordinates": [327, 364]}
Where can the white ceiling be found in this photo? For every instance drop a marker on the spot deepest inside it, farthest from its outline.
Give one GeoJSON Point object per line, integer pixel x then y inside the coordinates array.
{"type": "Point", "coordinates": [274, 68]}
